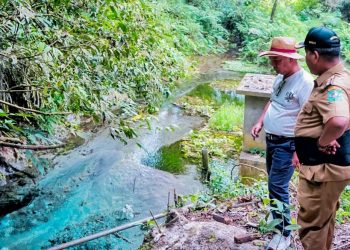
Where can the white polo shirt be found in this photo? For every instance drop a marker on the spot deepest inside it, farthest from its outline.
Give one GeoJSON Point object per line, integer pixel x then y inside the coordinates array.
{"type": "Point", "coordinates": [286, 102]}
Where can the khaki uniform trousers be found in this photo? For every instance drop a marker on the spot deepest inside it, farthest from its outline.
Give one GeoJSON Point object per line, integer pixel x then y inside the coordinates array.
{"type": "Point", "coordinates": [319, 202]}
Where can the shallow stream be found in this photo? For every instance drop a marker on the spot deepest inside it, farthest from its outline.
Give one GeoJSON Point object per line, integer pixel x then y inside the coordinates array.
{"type": "Point", "coordinates": [104, 183]}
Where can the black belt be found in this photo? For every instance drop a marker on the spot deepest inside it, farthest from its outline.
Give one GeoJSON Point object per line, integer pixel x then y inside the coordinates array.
{"type": "Point", "coordinates": [272, 137]}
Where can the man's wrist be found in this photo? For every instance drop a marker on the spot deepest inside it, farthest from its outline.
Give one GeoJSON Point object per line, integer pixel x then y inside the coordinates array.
{"type": "Point", "coordinates": [319, 145]}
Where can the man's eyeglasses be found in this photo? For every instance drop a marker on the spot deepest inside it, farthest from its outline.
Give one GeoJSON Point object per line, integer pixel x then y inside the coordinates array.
{"type": "Point", "coordinates": [280, 87]}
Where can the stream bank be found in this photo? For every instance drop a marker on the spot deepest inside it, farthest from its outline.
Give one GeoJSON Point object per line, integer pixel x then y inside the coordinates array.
{"type": "Point", "coordinates": [104, 183]}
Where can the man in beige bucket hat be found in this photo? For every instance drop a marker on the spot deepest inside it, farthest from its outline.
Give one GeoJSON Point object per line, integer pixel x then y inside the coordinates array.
{"type": "Point", "coordinates": [291, 90]}
{"type": "Point", "coordinates": [282, 46]}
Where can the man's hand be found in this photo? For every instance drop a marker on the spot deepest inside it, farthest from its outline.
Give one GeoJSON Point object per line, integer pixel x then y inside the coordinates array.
{"type": "Point", "coordinates": [333, 129]}
{"type": "Point", "coordinates": [295, 161]}
{"type": "Point", "coordinates": [329, 149]}
{"type": "Point", "coordinates": [256, 130]}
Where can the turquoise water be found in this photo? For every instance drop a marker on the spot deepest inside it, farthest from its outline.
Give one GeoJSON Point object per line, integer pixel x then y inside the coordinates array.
{"type": "Point", "coordinates": [100, 185]}
{"type": "Point", "coordinates": [103, 184]}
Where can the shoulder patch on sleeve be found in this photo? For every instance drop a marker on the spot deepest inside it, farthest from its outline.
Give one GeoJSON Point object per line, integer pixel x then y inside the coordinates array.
{"type": "Point", "coordinates": [335, 94]}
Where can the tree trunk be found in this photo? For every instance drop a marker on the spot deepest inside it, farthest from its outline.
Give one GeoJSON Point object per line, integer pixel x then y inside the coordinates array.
{"type": "Point", "coordinates": [273, 10]}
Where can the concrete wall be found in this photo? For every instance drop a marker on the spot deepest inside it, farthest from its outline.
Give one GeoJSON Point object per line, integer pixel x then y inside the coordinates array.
{"type": "Point", "coordinates": [254, 105]}
{"type": "Point", "coordinates": [257, 90]}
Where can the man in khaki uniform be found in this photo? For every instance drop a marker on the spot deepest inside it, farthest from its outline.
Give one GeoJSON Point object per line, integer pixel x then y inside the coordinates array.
{"type": "Point", "coordinates": [323, 140]}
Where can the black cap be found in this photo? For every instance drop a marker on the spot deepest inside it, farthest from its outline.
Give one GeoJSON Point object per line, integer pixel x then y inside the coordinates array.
{"type": "Point", "coordinates": [320, 37]}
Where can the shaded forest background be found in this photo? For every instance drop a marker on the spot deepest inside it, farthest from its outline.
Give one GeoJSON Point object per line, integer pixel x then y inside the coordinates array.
{"type": "Point", "coordinates": [62, 60]}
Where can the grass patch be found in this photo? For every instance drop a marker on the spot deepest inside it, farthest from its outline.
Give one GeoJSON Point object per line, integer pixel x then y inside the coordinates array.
{"type": "Point", "coordinates": [219, 144]}
{"type": "Point", "coordinates": [226, 85]}
{"type": "Point", "coordinates": [196, 106]}
{"type": "Point", "coordinates": [222, 185]}
{"type": "Point", "coordinates": [229, 117]}
{"type": "Point", "coordinates": [168, 158]}
{"type": "Point", "coordinates": [246, 67]}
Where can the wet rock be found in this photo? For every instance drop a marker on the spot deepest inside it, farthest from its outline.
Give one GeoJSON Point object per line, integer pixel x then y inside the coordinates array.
{"type": "Point", "coordinates": [17, 180]}
{"type": "Point", "coordinates": [15, 197]}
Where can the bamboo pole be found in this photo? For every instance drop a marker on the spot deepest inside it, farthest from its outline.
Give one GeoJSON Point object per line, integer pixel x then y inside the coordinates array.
{"type": "Point", "coordinates": [33, 110]}
{"type": "Point", "coordinates": [155, 221]}
{"type": "Point", "coordinates": [3, 138]}
{"type": "Point", "coordinates": [31, 147]}
{"type": "Point", "coordinates": [106, 232]}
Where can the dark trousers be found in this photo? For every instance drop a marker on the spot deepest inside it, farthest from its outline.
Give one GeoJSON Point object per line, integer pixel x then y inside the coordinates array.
{"type": "Point", "coordinates": [279, 166]}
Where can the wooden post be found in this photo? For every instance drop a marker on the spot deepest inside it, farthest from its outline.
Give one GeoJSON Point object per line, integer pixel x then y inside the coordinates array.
{"type": "Point", "coordinates": [175, 198]}
{"type": "Point", "coordinates": [155, 221]}
{"type": "Point", "coordinates": [205, 164]}
{"type": "Point", "coordinates": [168, 206]}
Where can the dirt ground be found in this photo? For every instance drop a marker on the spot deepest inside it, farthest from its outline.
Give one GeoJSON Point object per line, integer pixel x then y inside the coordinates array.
{"type": "Point", "coordinates": [224, 225]}
{"type": "Point", "coordinates": [230, 224]}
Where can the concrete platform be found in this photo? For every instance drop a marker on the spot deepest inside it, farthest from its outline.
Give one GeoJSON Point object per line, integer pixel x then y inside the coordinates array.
{"type": "Point", "coordinates": [252, 165]}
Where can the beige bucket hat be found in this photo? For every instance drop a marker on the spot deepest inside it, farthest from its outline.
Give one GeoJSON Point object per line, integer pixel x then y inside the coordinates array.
{"type": "Point", "coordinates": [282, 46]}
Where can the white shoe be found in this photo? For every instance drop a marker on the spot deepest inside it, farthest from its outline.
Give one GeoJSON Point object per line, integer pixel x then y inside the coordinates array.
{"type": "Point", "coordinates": [279, 242]}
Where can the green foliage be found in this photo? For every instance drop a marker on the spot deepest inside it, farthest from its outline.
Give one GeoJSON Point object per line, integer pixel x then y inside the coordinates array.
{"type": "Point", "coordinates": [343, 213]}
{"type": "Point", "coordinates": [95, 57]}
{"type": "Point", "coordinates": [194, 27]}
{"type": "Point", "coordinates": [85, 56]}
{"type": "Point", "coordinates": [226, 85]}
{"type": "Point", "coordinates": [229, 117]}
{"type": "Point", "coordinates": [302, 5]}
{"type": "Point", "coordinates": [344, 8]}
{"type": "Point", "coordinates": [257, 151]}
{"type": "Point", "coordinates": [206, 98]}
{"type": "Point", "coordinates": [256, 33]}
{"type": "Point", "coordinates": [196, 106]}
{"type": "Point", "coordinates": [223, 137]}
{"type": "Point", "coordinates": [248, 22]}
{"type": "Point", "coordinates": [280, 208]}
{"type": "Point", "coordinates": [2, 177]}
{"type": "Point", "coordinates": [168, 158]}
{"type": "Point", "coordinates": [218, 144]}
{"type": "Point", "coordinates": [222, 184]}
{"type": "Point", "coordinates": [266, 227]}
{"type": "Point", "coordinates": [105, 59]}
{"type": "Point", "coordinates": [41, 164]}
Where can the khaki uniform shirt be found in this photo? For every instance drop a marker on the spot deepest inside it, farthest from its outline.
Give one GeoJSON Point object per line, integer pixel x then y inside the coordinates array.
{"type": "Point", "coordinates": [329, 98]}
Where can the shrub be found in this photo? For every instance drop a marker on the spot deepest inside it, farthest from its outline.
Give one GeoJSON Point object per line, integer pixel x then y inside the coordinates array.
{"type": "Point", "coordinates": [92, 57]}
{"type": "Point", "coordinates": [229, 117]}
{"type": "Point", "coordinates": [344, 7]}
